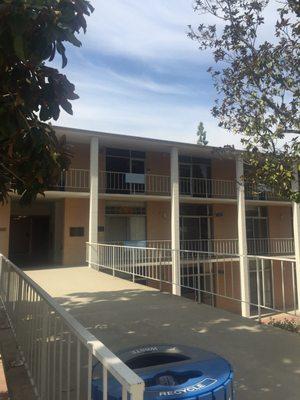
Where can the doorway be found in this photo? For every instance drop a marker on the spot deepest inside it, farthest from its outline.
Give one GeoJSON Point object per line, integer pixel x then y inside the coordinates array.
{"type": "Point", "coordinates": [30, 239]}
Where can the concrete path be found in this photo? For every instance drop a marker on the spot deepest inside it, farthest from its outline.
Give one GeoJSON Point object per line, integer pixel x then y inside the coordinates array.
{"type": "Point", "coordinates": [121, 314]}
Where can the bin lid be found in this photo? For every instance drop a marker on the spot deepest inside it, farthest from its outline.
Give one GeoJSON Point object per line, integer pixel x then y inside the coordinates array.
{"type": "Point", "coordinates": [177, 372]}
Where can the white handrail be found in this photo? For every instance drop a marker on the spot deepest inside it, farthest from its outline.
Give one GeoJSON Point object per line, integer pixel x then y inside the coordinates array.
{"type": "Point", "coordinates": [209, 277]}
{"type": "Point", "coordinates": [45, 331]}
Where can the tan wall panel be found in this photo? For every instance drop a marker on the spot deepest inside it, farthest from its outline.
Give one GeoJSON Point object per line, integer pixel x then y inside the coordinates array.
{"type": "Point", "coordinates": [283, 276]}
{"type": "Point", "coordinates": [228, 284]}
{"type": "Point", "coordinates": [158, 220]}
{"type": "Point", "coordinates": [77, 214]}
{"type": "Point", "coordinates": [81, 155]}
{"type": "Point", "coordinates": [280, 222]}
{"type": "Point", "coordinates": [157, 163]}
{"type": "Point", "coordinates": [4, 228]}
{"type": "Point", "coordinates": [223, 169]}
{"type": "Point", "coordinates": [225, 227]}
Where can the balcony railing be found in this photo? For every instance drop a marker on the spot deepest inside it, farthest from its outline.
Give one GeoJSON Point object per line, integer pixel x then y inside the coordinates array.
{"type": "Point", "coordinates": [258, 246]}
{"type": "Point", "coordinates": [206, 277]}
{"type": "Point", "coordinates": [207, 188]}
{"type": "Point", "coordinates": [128, 183]}
{"type": "Point", "coordinates": [271, 246]}
{"type": "Point", "coordinates": [260, 192]}
{"type": "Point", "coordinates": [221, 246]}
{"type": "Point", "coordinates": [74, 180]}
{"type": "Point", "coordinates": [78, 180]}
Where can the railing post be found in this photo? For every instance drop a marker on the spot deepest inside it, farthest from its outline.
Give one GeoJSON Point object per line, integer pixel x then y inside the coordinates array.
{"type": "Point", "coordinates": [113, 261]}
{"type": "Point", "coordinates": [175, 248]}
{"type": "Point", "coordinates": [93, 211]}
{"type": "Point", "coordinates": [8, 285]}
{"type": "Point", "coordinates": [242, 236]}
{"type": "Point", "coordinates": [133, 265]}
{"type": "Point", "coordinates": [44, 338]}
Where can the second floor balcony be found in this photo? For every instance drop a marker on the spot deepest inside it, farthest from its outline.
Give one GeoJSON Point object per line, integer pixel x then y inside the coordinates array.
{"type": "Point", "coordinates": [78, 180]}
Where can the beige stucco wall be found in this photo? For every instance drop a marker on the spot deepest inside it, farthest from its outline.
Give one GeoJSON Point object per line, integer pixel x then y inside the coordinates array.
{"type": "Point", "coordinates": [280, 222]}
{"type": "Point", "coordinates": [76, 214]}
{"type": "Point", "coordinates": [225, 227]}
{"type": "Point", "coordinates": [157, 163]}
{"type": "Point", "coordinates": [81, 155]}
{"type": "Point", "coordinates": [223, 169]}
{"type": "Point", "coordinates": [4, 228]}
{"type": "Point", "coordinates": [158, 220]}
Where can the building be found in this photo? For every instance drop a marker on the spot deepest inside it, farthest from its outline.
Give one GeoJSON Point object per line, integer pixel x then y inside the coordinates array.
{"type": "Point", "coordinates": [151, 193]}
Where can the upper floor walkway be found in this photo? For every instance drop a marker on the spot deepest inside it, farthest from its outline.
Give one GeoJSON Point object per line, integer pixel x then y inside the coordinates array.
{"type": "Point", "coordinates": [134, 184]}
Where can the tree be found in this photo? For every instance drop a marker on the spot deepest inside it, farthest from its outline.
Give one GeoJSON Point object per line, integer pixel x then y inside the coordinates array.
{"type": "Point", "coordinates": [258, 83]}
{"type": "Point", "coordinates": [31, 92]}
{"type": "Point", "coordinates": [201, 133]}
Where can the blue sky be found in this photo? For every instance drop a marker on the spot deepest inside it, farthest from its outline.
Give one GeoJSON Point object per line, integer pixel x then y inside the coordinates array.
{"type": "Point", "coordinates": [138, 73]}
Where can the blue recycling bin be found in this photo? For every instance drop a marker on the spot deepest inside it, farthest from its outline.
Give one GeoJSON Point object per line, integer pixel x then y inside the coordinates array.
{"type": "Point", "coordinates": [173, 372]}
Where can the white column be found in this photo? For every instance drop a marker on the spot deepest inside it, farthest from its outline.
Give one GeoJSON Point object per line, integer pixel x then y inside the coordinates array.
{"type": "Point", "coordinates": [242, 236]}
{"type": "Point", "coordinates": [175, 233]}
{"type": "Point", "coordinates": [93, 212]}
{"type": "Point", "coordinates": [296, 225]}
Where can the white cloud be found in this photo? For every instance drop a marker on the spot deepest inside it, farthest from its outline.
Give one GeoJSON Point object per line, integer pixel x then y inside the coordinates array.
{"type": "Point", "coordinates": [143, 29]}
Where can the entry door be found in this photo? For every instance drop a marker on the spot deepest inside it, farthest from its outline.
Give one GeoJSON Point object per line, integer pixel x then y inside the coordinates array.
{"type": "Point", "coordinates": [137, 167]}
{"type": "Point", "coordinates": [195, 232]}
{"type": "Point", "coordinates": [30, 240]}
{"type": "Point", "coordinates": [126, 229]}
{"type": "Point", "coordinates": [138, 230]}
{"type": "Point", "coordinates": [116, 228]}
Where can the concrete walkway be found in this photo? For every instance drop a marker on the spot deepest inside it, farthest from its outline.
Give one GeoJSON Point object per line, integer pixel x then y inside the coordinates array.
{"type": "Point", "coordinates": [266, 360]}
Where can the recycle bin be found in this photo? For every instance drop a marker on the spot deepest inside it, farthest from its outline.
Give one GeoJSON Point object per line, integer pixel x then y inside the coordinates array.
{"type": "Point", "coordinates": [173, 372]}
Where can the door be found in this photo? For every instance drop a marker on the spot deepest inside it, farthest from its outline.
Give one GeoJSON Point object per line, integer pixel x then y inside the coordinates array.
{"type": "Point", "coordinates": [194, 233]}
{"type": "Point", "coordinates": [137, 167]}
{"type": "Point", "coordinates": [30, 241]}
{"type": "Point", "coordinates": [116, 228]}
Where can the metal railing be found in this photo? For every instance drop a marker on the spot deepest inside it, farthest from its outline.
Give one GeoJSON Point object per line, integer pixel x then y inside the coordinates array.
{"type": "Point", "coordinates": [261, 192]}
{"type": "Point", "coordinates": [58, 352]}
{"type": "Point", "coordinates": [221, 246]}
{"type": "Point", "coordinates": [271, 246]}
{"type": "Point", "coordinates": [206, 277]}
{"type": "Point", "coordinates": [256, 246]}
{"type": "Point", "coordinates": [126, 183]}
{"type": "Point", "coordinates": [74, 180]}
{"type": "Point", "coordinates": [78, 180]}
{"type": "Point", "coordinates": [211, 188]}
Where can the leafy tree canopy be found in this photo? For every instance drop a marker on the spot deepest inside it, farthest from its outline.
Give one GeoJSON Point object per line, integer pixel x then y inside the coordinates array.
{"type": "Point", "coordinates": [201, 133]}
{"type": "Point", "coordinates": [33, 32]}
{"type": "Point", "coordinates": [257, 81]}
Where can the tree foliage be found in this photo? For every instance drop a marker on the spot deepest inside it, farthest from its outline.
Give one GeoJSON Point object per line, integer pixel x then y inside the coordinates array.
{"type": "Point", "coordinates": [201, 133]}
{"type": "Point", "coordinates": [257, 81]}
{"type": "Point", "coordinates": [33, 32]}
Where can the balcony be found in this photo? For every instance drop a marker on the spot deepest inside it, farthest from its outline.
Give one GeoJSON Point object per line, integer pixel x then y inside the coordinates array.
{"type": "Point", "coordinates": [207, 188]}
{"type": "Point", "coordinates": [78, 180]}
{"type": "Point", "coordinates": [261, 192]}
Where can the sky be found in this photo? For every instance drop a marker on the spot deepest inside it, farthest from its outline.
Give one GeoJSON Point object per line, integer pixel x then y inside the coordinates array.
{"type": "Point", "coordinates": [138, 73]}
